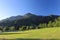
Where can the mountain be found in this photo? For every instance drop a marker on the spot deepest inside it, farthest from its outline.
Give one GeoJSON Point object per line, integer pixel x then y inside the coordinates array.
{"type": "Point", "coordinates": [12, 18]}
{"type": "Point", "coordinates": [27, 20]}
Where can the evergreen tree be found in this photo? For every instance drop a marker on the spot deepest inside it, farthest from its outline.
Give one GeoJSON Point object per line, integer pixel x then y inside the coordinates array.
{"type": "Point", "coordinates": [50, 24]}
{"type": "Point", "coordinates": [21, 28]}
{"type": "Point", "coordinates": [12, 28]}
{"type": "Point", "coordinates": [6, 28]}
{"type": "Point", "coordinates": [27, 27]}
{"type": "Point", "coordinates": [1, 28]}
{"type": "Point", "coordinates": [31, 27]}
{"type": "Point", "coordinates": [41, 26]}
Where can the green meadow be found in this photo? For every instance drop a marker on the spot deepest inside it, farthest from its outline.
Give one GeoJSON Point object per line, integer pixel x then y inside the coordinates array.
{"type": "Point", "coordinates": [44, 33]}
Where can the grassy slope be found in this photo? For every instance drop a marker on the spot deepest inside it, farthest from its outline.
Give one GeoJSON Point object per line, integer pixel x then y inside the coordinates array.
{"type": "Point", "coordinates": [45, 33]}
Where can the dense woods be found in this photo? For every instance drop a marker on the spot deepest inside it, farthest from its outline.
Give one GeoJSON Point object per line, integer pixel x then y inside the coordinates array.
{"type": "Point", "coordinates": [30, 21]}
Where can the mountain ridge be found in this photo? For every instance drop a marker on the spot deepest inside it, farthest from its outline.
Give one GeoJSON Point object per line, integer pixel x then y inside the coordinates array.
{"type": "Point", "coordinates": [27, 20]}
{"type": "Point", "coordinates": [28, 14]}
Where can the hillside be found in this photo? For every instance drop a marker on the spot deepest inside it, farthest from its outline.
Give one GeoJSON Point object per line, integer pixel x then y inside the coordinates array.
{"type": "Point", "coordinates": [28, 19]}
{"type": "Point", "coordinates": [45, 33]}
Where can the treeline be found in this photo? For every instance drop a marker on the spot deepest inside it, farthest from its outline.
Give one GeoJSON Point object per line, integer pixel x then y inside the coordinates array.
{"type": "Point", "coordinates": [56, 23]}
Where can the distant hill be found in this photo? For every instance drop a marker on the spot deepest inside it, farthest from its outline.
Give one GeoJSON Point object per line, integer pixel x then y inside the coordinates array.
{"type": "Point", "coordinates": [27, 20]}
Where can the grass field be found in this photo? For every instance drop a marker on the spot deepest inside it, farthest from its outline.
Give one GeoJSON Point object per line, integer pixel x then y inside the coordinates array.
{"type": "Point", "coordinates": [45, 33]}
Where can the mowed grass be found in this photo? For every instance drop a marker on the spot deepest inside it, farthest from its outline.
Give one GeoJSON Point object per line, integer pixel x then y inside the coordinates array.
{"type": "Point", "coordinates": [44, 33]}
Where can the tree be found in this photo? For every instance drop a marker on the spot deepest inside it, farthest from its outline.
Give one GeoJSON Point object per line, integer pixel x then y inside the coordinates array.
{"type": "Point", "coordinates": [12, 28]}
{"type": "Point", "coordinates": [27, 27]}
{"type": "Point", "coordinates": [20, 28]}
{"type": "Point", "coordinates": [41, 26]}
{"type": "Point", "coordinates": [6, 28]}
{"type": "Point", "coordinates": [45, 25]}
{"type": "Point", "coordinates": [1, 28]}
{"type": "Point", "coordinates": [50, 24]}
{"type": "Point", "coordinates": [30, 27]}
{"type": "Point", "coordinates": [23, 27]}
{"type": "Point", "coordinates": [57, 22]}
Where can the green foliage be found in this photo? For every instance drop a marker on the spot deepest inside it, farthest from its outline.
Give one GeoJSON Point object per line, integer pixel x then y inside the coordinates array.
{"type": "Point", "coordinates": [50, 24]}
{"type": "Point", "coordinates": [30, 27]}
{"type": "Point", "coordinates": [42, 25]}
{"type": "Point", "coordinates": [0, 27]}
{"type": "Point", "coordinates": [23, 27]}
{"type": "Point", "coordinates": [20, 29]}
{"type": "Point", "coordinates": [5, 28]}
{"type": "Point", "coordinates": [27, 27]}
{"type": "Point", "coordinates": [55, 23]}
{"type": "Point", "coordinates": [12, 28]}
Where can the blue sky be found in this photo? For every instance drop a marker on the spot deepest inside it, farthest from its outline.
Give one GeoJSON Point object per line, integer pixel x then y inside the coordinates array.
{"type": "Point", "coordinates": [10, 8]}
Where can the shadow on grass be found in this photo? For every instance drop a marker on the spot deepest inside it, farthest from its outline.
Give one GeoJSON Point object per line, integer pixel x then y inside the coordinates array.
{"type": "Point", "coordinates": [29, 39]}
{"type": "Point", "coordinates": [10, 33]}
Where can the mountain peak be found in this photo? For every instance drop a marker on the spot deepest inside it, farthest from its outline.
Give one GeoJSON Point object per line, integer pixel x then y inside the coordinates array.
{"type": "Point", "coordinates": [28, 14]}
